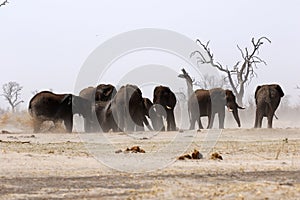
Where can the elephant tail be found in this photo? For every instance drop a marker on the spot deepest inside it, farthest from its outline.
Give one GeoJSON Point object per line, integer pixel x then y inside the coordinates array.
{"type": "Point", "coordinates": [30, 109]}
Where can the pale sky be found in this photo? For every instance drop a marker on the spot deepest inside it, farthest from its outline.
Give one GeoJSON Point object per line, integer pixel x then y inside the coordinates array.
{"type": "Point", "coordinates": [43, 44]}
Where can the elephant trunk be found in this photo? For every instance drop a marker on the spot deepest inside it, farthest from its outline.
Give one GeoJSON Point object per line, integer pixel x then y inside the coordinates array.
{"type": "Point", "coordinates": [171, 120]}
{"type": "Point", "coordinates": [235, 113]}
{"type": "Point", "coordinates": [156, 114]}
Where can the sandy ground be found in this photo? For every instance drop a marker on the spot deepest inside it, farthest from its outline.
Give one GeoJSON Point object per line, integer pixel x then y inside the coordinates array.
{"type": "Point", "coordinates": [257, 164]}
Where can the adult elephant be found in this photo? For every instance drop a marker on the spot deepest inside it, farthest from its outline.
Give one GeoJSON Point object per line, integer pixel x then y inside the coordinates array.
{"type": "Point", "coordinates": [129, 110]}
{"type": "Point", "coordinates": [48, 106]}
{"type": "Point", "coordinates": [208, 103]}
{"type": "Point", "coordinates": [101, 93]}
{"type": "Point", "coordinates": [267, 99]}
{"type": "Point", "coordinates": [105, 117]}
{"type": "Point", "coordinates": [164, 101]}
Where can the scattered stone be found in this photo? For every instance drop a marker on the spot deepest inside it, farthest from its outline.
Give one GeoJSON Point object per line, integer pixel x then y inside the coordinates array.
{"type": "Point", "coordinates": [195, 155]}
{"type": "Point", "coordinates": [216, 156]}
{"type": "Point", "coordinates": [180, 130]}
{"type": "Point", "coordinates": [134, 149]}
{"type": "Point", "coordinates": [287, 184]}
{"type": "Point", "coordinates": [118, 151]}
{"type": "Point", "coordinates": [184, 157]}
{"type": "Point", "coordinates": [51, 152]}
{"type": "Point", "coordinates": [5, 132]}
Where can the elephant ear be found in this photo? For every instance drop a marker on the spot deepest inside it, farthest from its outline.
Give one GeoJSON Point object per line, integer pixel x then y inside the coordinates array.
{"type": "Point", "coordinates": [256, 91]}
{"type": "Point", "coordinates": [278, 88]}
{"type": "Point", "coordinates": [216, 95]}
{"type": "Point", "coordinates": [67, 100]}
{"type": "Point", "coordinates": [154, 95]}
{"type": "Point", "coordinates": [229, 95]}
{"type": "Point", "coordinates": [109, 91]}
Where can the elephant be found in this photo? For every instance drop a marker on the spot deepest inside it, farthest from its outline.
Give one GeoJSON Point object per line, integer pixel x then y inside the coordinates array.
{"type": "Point", "coordinates": [103, 92]}
{"type": "Point", "coordinates": [267, 99]}
{"type": "Point", "coordinates": [128, 109]}
{"type": "Point", "coordinates": [164, 101]}
{"type": "Point", "coordinates": [208, 103]}
{"type": "Point", "coordinates": [153, 113]}
{"type": "Point", "coordinates": [48, 106]}
{"type": "Point", "coordinates": [105, 117]}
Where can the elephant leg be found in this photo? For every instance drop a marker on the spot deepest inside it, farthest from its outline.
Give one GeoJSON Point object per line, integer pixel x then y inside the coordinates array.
{"type": "Point", "coordinates": [120, 118]}
{"type": "Point", "coordinates": [270, 120]}
{"type": "Point", "coordinates": [258, 119]}
{"type": "Point", "coordinates": [139, 128]}
{"type": "Point", "coordinates": [37, 125]}
{"type": "Point", "coordinates": [193, 118]}
{"type": "Point", "coordinates": [192, 123]}
{"type": "Point", "coordinates": [160, 124]}
{"type": "Point", "coordinates": [69, 124]}
{"type": "Point", "coordinates": [94, 124]}
{"type": "Point", "coordinates": [221, 116]}
{"type": "Point", "coordinates": [129, 124]}
{"type": "Point", "coordinates": [211, 119]}
{"type": "Point", "coordinates": [139, 124]}
{"type": "Point", "coordinates": [200, 123]}
{"type": "Point", "coordinates": [87, 126]}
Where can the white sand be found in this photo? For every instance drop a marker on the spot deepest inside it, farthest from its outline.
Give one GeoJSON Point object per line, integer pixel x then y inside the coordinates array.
{"type": "Point", "coordinates": [257, 164]}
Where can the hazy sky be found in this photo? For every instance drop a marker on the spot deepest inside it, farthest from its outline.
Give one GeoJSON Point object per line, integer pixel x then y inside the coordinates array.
{"type": "Point", "coordinates": [43, 44]}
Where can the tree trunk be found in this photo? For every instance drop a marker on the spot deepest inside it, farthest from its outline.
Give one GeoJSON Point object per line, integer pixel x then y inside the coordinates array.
{"type": "Point", "coordinates": [189, 82]}
{"type": "Point", "coordinates": [239, 99]}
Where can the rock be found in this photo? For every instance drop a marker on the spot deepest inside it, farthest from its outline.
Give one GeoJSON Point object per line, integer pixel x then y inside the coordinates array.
{"type": "Point", "coordinates": [135, 149]}
{"type": "Point", "coordinates": [5, 132]}
{"type": "Point", "coordinates": [196, 154]}
{"type": "Point", "coordinates": [118, 151]}
{"type": "Point", "coordinates": [216, 156]}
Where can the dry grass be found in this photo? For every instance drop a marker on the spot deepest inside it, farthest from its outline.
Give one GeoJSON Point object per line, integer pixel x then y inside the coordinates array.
{"type": "Point", "coordinates": [20, 120]}
{"type": "Point", "coordinates": [24, 122]}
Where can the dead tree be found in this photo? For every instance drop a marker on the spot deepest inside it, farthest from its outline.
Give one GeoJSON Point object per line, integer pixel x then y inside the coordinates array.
{"type": "Point", "coordinates": [239, 74]}
{"type": "Point", "coordinates": [211, 81]}
{"type": "Point", "coordinates": [12, 93]}
{"type": "Point", "coordinates": [207, 82]}
{"type": "Point", "coordinates": [189, 82]}
{"type": "Point", "coordinates": [4, 2]}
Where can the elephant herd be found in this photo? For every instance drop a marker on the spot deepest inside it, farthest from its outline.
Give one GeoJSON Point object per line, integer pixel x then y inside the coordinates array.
{"type": "Point", "coordinates": [106, 109]}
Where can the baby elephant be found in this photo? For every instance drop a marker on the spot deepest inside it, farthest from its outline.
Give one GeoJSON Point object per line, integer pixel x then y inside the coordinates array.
{"type": "Point", "coordinates": [267, 99]}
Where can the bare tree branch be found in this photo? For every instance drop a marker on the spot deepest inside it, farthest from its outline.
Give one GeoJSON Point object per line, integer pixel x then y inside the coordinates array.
{"type": "Point", "coordinates": [4, 2]}
{"type": "Point", "coordinates": [210, 55]}
{"type": "Point", "coordinates": [189, 81]}
{"type": "Point", "coordinates": [12, 93]}
{"type": "Point", "coordinates": [242, 72]}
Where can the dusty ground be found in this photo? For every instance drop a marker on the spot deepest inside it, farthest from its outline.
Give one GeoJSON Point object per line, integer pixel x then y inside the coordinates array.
{"type": "Point", "coordinates": [257, 164]}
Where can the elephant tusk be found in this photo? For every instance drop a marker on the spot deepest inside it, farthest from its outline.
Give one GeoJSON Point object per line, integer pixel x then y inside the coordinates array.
{"type": "Point", "coordinates": [229, 110]}
{"type": "Point", "coordinates": [168, 107]}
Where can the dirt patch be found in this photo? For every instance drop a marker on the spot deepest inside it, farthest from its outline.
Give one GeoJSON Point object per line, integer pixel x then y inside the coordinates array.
{"type": "Point", "coordinates": [257, 164]}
